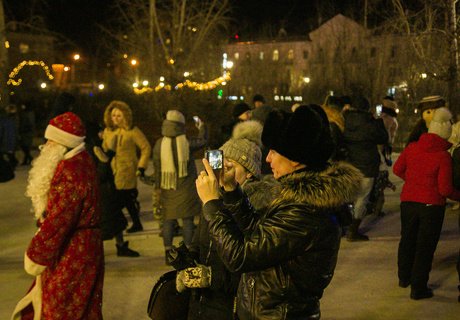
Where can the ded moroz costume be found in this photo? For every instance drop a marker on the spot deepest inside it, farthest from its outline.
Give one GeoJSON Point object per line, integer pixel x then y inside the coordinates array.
{"type": "Point", "coordinates": [66, 253]}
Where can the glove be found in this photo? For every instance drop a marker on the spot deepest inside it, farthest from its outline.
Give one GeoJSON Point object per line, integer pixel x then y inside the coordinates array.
{"type": "Point", "coordinates": [195, 277]}
{"type": "Point", "coordinates": [140, 172]}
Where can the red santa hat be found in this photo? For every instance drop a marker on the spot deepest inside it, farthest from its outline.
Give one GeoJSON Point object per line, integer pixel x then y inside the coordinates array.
{"type": "Point", "coordinates": [66, 129]}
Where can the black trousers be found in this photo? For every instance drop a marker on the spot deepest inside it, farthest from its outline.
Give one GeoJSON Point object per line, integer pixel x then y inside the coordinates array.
{"type": "Point", "coordinates": [421, 226]}
{"type": "Point", "coordinates": [128, 199]}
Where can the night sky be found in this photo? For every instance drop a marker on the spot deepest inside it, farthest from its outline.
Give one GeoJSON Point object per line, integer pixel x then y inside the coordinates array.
{"type": "Point", "coordinates": [77, 19]}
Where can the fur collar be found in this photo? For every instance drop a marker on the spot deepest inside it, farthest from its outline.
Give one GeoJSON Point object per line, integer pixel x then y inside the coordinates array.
{"type": "Point", "coordinates": [338, 184]}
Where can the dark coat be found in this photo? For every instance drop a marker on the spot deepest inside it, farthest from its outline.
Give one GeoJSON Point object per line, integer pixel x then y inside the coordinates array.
{"type": "Point", "coordinates": [217, 301]}
{"type": "Point", "coordinates": [362, 134]}
{"type": "Point", "coordinates": [288, 255]}
{"type": "Point", "coordinates": [183, 201]}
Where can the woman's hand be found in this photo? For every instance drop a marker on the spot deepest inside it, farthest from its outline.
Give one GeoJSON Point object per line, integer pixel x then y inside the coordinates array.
{"type": "Point", "coordinates": [227, 178]}
{"type": "Point", "coordinates": [207, 185]}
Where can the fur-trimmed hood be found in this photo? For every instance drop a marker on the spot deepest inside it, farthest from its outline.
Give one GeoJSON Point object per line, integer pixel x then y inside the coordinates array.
{"type": "Point", "coordinates": [124, 108]}
{"type": "Point", "coordinates": [338, 184]}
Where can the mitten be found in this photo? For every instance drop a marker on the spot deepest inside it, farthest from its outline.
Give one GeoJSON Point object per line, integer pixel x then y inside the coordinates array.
{"type": "Point", "coordinates": [180, 287]}
{"type": "Point", "coordinates": [196, 277]}
{"type": "Point", "coordinates": [100, 154]}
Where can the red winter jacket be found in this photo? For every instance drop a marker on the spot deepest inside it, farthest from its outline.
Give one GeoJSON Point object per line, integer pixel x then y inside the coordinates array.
{"type": "Point", "coordinates": [426, 168]}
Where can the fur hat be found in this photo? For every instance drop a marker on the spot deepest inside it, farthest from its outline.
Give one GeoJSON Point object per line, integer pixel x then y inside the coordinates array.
{"type": "Point", "coordinates": [66, 129]}
{"type": "Point", "coordinates": [431, 102]}
{"type": "Point", "coordinates": [239, 109]}
{"type": "Point", "coordinates": [441, 123]}
{"type": "Point", "coordinates": [303, 136]}
{"type": "Point", "coordinates": [245, 145]}
{"type": "Point", "coordinates": [389, 106]}
{"type": "Point", "coordinates": [176, 116]}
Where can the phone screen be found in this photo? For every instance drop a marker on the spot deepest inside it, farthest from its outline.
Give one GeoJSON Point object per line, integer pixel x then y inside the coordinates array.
{"type": "Point", "coordinates": [215, 158]}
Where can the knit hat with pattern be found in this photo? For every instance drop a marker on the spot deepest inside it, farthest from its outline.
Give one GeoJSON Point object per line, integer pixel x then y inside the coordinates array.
{"type": "Point", "coordinates": [245, 145]}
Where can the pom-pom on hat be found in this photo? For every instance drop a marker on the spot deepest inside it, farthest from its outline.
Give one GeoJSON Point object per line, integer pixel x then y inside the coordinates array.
{"type": "Point", "coordinates": [431, 102]}
{"type": "Point", "coordinates": [303, 136]}
{"type": "Point", "coordinates": [245, 145]}
{"type": "Point", "coordinates": [66, 129]}
{"type": "Point", "coordinates": [441, 123]}
{"type": "Point", "coordinates": [174, 115]}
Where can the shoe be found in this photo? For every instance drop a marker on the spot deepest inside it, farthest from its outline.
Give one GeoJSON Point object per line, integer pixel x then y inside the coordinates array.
{"type": "Point", "coordinates": [404, 283]}
{"type": "Point", "coordinates": [135, 228]}
{"type": "Point", "coordinates": [124, 251]}
{"type": "Point", "coordinates": [421, 294]}
{"type": "Point", "coordinates": [353, 237]}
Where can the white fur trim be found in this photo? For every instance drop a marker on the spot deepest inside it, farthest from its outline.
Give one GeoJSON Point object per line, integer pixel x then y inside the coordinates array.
{"type": "Point", "coordinates": [75, 151]}
{"type": "Point", "coordinates": [32, 267]}
{"type": "Point", "coordinates": [62, 137]}
{"type": "Point", "coordinates": [35, 297]}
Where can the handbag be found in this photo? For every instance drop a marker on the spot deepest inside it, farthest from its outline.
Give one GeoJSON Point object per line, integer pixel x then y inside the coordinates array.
{"type": "Point", "coordinates": [165, 302]}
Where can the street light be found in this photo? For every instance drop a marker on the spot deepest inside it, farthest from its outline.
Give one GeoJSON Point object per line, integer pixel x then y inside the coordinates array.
{"type": "Point", "coordinates": [76, 57]}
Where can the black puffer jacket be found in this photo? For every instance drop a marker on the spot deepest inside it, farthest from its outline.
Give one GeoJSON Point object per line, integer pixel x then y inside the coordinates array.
{"type": "Point", "coordinates": [216, 302]}
{"type": "Point", "coordinates": [288, 255]}
{"type": "Point", "coordinates": [362, 134]}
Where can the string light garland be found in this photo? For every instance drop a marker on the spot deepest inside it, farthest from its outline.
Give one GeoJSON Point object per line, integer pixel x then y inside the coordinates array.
{"type": "Point", "coordinates": [198, 86]}
{"type": "Point", "coordinates": [15, 72]}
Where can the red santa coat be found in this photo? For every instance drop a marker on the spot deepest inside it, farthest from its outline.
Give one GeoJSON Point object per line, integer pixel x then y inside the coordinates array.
{"type": "Point", "coordinates": [69, 245]}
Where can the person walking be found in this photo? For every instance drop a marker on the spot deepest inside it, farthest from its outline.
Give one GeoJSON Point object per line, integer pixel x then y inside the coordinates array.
{"type": "Point", "coordinates": [124, 139]}
{"type": "Point", "coordinates": [362, 134]}
{"type": "Point", "coordinates": [66, 253]}
{"type": "Point", "coordinates": [26, 131]}
{"type": "Point", "coordinates": [175, 172]}
{"type": "Point", "coordinates": [426, 168]}
{"type": "Point", "coordinates": [289, 253]}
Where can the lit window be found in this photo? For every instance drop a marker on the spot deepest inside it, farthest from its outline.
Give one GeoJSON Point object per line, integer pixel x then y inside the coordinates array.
{"type": "Point", "coordinates": [291, 54]}
{"type": "Point", "coordinates": [23, 48]}
{"type": "Point", "coordinates": [276, 55]}
{"type": "Point", "coordinates": [237, 55]}
{"type": "Point", "coordinates": [261, 55]}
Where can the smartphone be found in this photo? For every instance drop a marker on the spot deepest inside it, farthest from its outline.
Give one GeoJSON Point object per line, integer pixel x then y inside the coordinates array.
{"type": "Point", "coordinates": [215, 158]}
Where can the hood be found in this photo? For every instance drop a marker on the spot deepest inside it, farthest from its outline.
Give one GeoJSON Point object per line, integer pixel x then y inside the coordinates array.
{"type": "Point", "coordinates": [331, 188]}
{"type": "Point", "coordinates": [431, 142]}
{"type": "Point", "coordinates": [172, 128]}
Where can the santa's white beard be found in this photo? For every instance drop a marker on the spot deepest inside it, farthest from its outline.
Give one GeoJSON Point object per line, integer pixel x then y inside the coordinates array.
{"type": "Point", "coordinates": [40, 175]}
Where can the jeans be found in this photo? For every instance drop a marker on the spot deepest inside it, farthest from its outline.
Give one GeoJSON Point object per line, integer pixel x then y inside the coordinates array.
{"type": "Point", "coordinates": [360, 206]}
{"type": "Point", "coordinates": [168, 231]}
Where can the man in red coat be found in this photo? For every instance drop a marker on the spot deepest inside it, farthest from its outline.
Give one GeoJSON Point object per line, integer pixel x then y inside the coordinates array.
{"type": "Point", "coordinates": [66, 253]}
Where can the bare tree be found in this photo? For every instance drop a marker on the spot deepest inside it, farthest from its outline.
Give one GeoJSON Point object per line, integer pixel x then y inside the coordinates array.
{"type": "Point", "coordinates": [431, 27]}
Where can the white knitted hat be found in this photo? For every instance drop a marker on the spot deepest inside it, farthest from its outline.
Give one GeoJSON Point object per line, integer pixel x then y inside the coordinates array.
{"type": "Point", "coordinates": [441, 123]}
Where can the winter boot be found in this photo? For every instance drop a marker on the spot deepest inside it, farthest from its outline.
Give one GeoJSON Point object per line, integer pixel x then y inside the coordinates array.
{"type": "Point", "coordinates": [124, 251]}
{"type": "Point", "coordinates": [353, 232]}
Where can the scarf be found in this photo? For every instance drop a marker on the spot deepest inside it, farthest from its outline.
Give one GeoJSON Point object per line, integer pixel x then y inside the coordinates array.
{"type": "Point", "coordinates": [169, 172]}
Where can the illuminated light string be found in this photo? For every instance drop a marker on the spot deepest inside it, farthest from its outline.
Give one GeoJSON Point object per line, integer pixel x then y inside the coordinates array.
{"type": "Point", "coordinates": [14, 73]}
{"type": "Point", "coordinates": [198, 86]}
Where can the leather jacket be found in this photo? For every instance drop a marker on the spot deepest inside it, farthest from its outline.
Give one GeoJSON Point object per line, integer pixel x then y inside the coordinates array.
{"type": "Point", "coordinates": [288, 254]}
